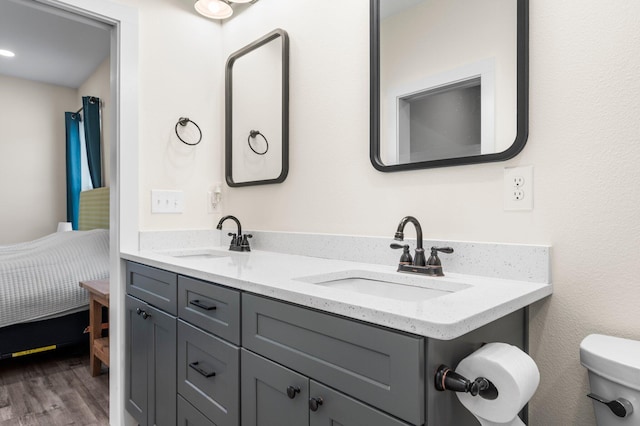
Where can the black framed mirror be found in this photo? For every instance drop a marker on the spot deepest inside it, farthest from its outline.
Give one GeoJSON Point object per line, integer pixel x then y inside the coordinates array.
{"type": "Point", "coordinates": [257, 112]}
{"type": "Point", "coordinates": [449, 82]}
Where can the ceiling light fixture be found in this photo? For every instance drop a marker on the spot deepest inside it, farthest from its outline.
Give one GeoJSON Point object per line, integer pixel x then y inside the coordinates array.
{"type": "Point", "coordinates": [215, 9]}
{"type": "Point", "coordinates": [7, 53]}
{"type": "Point", "coordinates": [219, 9]}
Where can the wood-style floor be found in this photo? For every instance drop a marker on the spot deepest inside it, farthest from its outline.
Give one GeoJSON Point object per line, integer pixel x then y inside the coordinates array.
{"type": "Point", "coordinates": [52, 389]}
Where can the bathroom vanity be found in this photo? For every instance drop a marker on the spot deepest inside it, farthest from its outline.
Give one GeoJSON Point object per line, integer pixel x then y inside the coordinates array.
{"type": "Point", "coordinates": [262, 338]}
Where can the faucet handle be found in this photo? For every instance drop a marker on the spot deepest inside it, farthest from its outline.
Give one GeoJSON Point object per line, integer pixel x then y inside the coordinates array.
{"type": "Point", "coordinates": [447, 250]}
{"type": "Point", "coordinates": [234, 238]}
{"type": "Point", "coordinates": [406, 258]}
{"type": "Point", "coordinates": [399, 246]}
{"type": "Point", "coordinates": [245, 242]}
{"type": "Point", "coordinates": [434, 260]}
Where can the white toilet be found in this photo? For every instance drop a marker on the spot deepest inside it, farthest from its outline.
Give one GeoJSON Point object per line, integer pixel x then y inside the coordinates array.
{"type": "Point", "coordinates": [614, 376]}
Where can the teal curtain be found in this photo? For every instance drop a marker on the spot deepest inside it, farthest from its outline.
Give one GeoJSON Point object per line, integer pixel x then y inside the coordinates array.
{"type": "Point", "coordinates": [91, 112]}
{"type": "Point", "coordinates": [74, 178]}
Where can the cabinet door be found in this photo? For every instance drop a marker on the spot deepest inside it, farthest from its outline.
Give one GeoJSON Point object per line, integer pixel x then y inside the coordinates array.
{"type": "Point", "coordinates": [162, 367]}
{"type": "Point", "coordinates": [150, 366]}
{"type": "Point", "coordinates": [339, 409]}
{"type": "Point", "coordinates": [272, 395]}
{"type": "Point", "coordinates": [136, 377]}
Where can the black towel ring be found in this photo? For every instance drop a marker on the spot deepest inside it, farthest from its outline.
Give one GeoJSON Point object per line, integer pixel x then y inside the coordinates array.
{"type": "Point", "coordinates": [183, 121]}
{"type": "Point", "coordinates": [253, 134]}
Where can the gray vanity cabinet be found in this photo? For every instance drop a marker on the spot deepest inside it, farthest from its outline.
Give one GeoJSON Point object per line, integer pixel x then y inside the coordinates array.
{"type": "Point", "coordinates": [150, 364]}
{"type": "Point", "coordinates": [198, 353]}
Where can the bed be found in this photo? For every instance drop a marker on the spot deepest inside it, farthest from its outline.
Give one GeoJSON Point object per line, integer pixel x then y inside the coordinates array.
{"type": "Point", "coordinates": [42, 306]}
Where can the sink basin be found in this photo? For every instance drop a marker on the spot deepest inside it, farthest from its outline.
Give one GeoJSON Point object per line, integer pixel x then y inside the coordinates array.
{"type": "Point", "coordinates": [391, 286]}
{"type": "Point", "coordinates": [198, 254]}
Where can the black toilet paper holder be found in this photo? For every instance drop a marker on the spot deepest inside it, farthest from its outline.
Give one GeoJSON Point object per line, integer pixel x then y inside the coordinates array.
{"type": "Point", "coordinates": [447, 379]}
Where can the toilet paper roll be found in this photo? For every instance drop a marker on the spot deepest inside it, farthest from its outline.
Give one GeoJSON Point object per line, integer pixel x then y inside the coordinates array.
{"type": "Point", "coordinates": [512, 371]}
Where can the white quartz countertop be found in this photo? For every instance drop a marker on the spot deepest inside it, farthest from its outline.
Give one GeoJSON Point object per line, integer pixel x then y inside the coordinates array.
{"type": "Point", "coordinates": [475, 302]}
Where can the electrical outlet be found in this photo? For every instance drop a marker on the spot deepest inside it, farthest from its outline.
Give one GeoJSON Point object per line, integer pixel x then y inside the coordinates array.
{"type": "Point", "coordinates": [213, 206]}
{"type": "Point", "coordinates": [165, 201]}
{"type": "Point", "coordinates": [518, 188]}
{"type": "Point", "coordinates": [214, 198]}
{"type": "Point", "coordinates": [518, 195]}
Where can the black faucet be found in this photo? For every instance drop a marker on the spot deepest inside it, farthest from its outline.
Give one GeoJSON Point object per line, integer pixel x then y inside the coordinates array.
{"type": "Point", "coordinates": [418, 264]}
{"type": "Point", "coordinates": [418, 259]}
{"type": "Point", "coordinates": [239, 242]}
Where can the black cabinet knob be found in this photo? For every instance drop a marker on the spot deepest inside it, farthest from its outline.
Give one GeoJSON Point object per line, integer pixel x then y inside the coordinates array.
{"type": "Point", "coordinates": [145, 315]}
{"type": "Point", "coordinates": [138, 311]}
{"type": "Point", "coordinates": [315, 403]}
{"type": "Point", "coordinates": [292, 391]}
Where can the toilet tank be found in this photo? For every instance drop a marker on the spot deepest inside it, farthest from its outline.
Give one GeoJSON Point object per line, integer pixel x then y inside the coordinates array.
{"type": "Point", "coordinates": [614, 372]}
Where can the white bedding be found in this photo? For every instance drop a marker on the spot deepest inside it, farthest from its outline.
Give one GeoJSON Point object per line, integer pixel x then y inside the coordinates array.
{"type": "Point", "coordinates": [39, 279]}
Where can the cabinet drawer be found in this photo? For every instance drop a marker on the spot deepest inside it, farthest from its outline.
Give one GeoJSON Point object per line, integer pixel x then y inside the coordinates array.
{"type": "Point", "coordinates": [211, 307]}
{"type": "Point", "coordinates": [209, 374]}
{"type": "Point", "coordinates": [157, 287]}
{"type": "Point", "coordinates": [189, 416]}
{"type": "Point", "coordinates": [375, 365]}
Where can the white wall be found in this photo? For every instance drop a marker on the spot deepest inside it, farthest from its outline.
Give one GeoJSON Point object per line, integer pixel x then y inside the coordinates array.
{"type": "Point", "coordinates": [32, 152]}
{"type": "Point", "coordinates": [583, 144]}
{"type": "Point", "coordinates": [181, 75]}
{"type": "Point", "coordinates": [98, 84]}
{"type": "Point", "coordinates": [32, 158]}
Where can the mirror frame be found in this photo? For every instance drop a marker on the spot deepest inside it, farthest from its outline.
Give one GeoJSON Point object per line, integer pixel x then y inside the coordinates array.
{"type": "Point", "coordinates": [228, 155]}
{"type": "Point", "coordinates": [522, 102]}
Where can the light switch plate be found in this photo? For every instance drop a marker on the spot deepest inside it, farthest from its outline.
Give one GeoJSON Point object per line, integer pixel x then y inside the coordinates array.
{"type": "Point", "coordinates": [167, 201]}
{"type": "Point", "coordinates": [518, 188]}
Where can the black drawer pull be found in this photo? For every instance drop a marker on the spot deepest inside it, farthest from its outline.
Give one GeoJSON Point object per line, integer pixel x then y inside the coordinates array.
{"type": "Point", "coordinates": [315, 403]}
{"type": "Point", "coordinates": [205, 373]}
{"type": "Point", "coordinates": [292, 391]}
{"type": "Point", "coordinates": [202, 305]}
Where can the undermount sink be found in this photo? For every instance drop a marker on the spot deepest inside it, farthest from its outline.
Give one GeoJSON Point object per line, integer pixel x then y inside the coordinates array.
{"type": "Point", "coordinates": [392, 286]}
{"type": "Point", "coordinates": [198, 254]}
